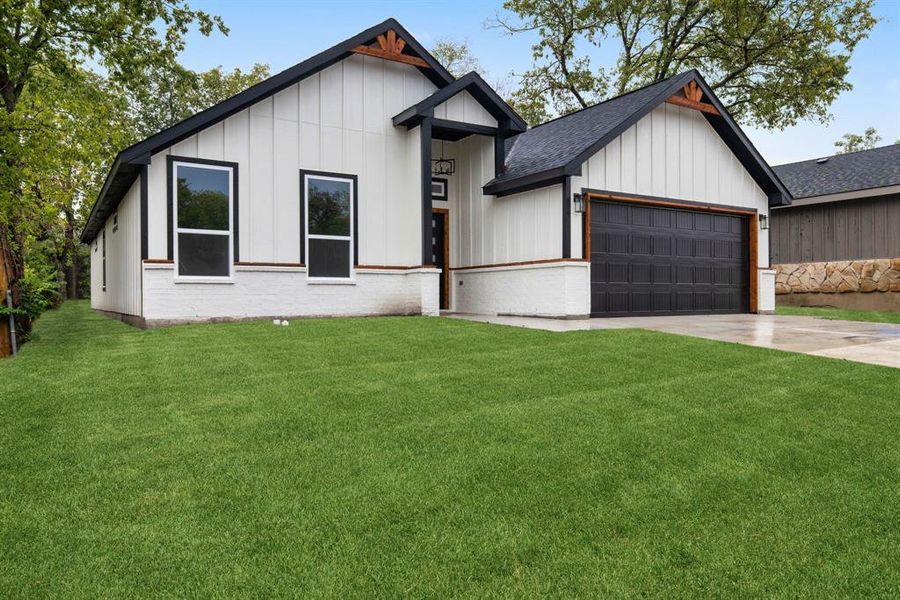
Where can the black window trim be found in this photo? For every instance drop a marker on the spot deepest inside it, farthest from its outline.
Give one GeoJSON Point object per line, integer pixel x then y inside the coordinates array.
{"type": "Point", "coordinates": [354, 239]}
{"type": "Point", "coordinates": [171, 159]}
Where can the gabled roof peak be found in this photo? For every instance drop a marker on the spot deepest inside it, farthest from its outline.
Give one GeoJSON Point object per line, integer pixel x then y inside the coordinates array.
{"type": "Point", "coordinates": [127, 164]}
{"type": "Point", "coordinates": [556, 149]}
{"type": "Point", "coordinates": [473, 83]}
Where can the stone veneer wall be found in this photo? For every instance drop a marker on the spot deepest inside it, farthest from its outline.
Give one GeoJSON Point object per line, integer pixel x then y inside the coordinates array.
{"type": "Point", "coordinates": [838, 277]}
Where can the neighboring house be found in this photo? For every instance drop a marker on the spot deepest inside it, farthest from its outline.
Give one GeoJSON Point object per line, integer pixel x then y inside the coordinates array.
{"type": "Point", "coordinates": [314, 193]}
{"type": "Point", "coordinates": [838, 244]}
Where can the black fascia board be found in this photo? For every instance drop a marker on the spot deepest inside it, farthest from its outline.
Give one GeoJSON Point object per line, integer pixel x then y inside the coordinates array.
{"type": "Point", "coordinates": [140, 152]}
{"type": "Point", "coordinates": [480, 90]}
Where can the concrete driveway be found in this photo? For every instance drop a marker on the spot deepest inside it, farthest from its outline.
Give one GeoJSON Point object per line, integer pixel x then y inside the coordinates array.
{"type": "Point", "coordinates": [874, 343]}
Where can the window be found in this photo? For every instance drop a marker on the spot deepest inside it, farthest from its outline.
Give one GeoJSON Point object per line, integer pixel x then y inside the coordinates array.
{"type": "Point", "coordinates": [438, 188]}
{"type": "Point", "coordinates": [203, 219]}
{"type": "Point", "coordinates": [104, 258]}
{"type": "Point", "coordinates": [329, 206]}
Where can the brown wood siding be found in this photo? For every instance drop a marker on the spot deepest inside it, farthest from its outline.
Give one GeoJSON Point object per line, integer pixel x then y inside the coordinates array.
{"type": "Point", "coordinates": [847, 230]}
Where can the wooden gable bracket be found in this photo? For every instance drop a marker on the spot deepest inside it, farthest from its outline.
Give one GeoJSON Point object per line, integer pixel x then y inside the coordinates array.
{"type": "Point", "coordinates": [390, 47]}
{"type": "Point", "coordinates": [691, 99]}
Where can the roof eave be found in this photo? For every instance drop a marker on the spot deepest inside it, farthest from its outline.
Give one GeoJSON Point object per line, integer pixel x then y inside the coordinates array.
{"type": "Point", "coordinates": [777, 193]}
{"type": "Point", "coordinates": [139, 153]}
{"type": "Point", "coordinates": [483, 93]}
{"type": "Point", "coordinates": [517, 185]}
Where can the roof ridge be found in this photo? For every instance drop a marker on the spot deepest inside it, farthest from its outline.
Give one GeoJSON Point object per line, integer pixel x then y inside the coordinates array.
{"type": "Point", "coordinates": [837, 155]}
{"type": "Point", "coordinates": [602, 102]}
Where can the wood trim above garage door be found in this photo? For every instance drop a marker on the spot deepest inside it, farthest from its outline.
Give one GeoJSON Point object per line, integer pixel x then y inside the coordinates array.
{"type": "Point", "coordinates": [753, 224]}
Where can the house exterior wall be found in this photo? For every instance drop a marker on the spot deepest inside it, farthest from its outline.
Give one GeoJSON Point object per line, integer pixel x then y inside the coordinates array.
{"type": "Point", "coordinates": [123, 259]}
{"type": "Point", "coordinates": [337, 120]}
{"type": "Point", "coordinates": [489, 232]}
{"type": "Point", "coordinates": [554, 289]}
{"type": "Point", "coordinates": [493, 230]}
{"type": "Point", "coordinates": [464, 108]}
{"type": "Point", "coordinates": [674, 153]}
{"type": "Point", "coordinates": [283, 292]}
{"type": "Point", "coordinates": [842, 253]}
{"type": "Point", "coordinates": [837, 231]}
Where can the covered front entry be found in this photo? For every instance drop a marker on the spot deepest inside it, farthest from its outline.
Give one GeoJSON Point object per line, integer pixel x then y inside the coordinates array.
{"type": "Point", "coordinates": [650, 258]}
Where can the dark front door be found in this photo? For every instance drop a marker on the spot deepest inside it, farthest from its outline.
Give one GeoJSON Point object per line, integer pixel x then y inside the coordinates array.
{"type": "Point", "coordinates": [441, 253]}
{"type": "Point", "coordinates": [649, 260]}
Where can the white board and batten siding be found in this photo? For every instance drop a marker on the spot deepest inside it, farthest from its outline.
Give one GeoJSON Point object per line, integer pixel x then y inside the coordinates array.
{"type": "Point", "coordinates": [489, 230]}
{"type": "Point", "coordinates": [487, 233]}
{"type": "Point", "coordinates": [337, 120]}
{"type": "Point", "coordinates": [674, 153]}
{"type": "Point", "coordinates": [462, 107]}
{"type": "Point", "coordinates": [123, 258]}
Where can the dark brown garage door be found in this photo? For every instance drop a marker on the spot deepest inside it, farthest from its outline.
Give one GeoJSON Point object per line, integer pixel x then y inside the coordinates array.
{"type": "Point", "coordinates": [648, 260]}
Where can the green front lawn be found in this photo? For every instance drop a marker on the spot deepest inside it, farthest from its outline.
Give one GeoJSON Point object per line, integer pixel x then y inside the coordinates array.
{"type": "Point", "coordinates": [434, 457]}
{"type": "Point", "coordinates": [839, 313]}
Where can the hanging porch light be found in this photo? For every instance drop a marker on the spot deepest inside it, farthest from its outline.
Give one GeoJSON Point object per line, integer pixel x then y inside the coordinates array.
{"type": "Point", "coordinates": [443, 166]}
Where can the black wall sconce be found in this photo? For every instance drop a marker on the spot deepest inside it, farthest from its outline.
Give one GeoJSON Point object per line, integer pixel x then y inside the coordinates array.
{"type": "Point", "coordinates": [578, 203]}
{"type": "Point", "coordinates": [763, 221]}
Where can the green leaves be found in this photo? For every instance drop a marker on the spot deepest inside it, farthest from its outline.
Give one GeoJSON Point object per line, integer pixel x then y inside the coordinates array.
{"type": "Point", "coordinates": [772, 62]}
{"type": "Point", "coordinates": [854, 142]}
{"type": "Point", "coordinates": [71, 78]}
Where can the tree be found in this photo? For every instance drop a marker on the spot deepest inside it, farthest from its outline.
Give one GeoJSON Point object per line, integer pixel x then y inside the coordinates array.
{"type": "Point", "coordinates": [854, 142]}
{"type": "Point", "coordinates": [44, 38]}
{"type": "Point", "coordinates": [175, 93]}
{"type": "Point", "coordinates": [83, 123]}
{"type": "Point", "coordinates": [771, 62]}
{"type": "Point", "coordinates": [458, 58]}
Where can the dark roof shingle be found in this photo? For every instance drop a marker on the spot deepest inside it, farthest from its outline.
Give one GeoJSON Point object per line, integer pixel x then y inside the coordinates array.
{"type": "Point", "coordinates": [556, 143]}
{"type": "Point", "coordinates": [555, 150]}
{"type": "Point", "coordinates": [866, 169]}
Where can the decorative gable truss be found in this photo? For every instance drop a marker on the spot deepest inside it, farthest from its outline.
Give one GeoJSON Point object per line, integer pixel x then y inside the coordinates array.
{"type": "Point", "coordinates": [692, 99]}
{"type": "Point", "coordinates": [390, 47]}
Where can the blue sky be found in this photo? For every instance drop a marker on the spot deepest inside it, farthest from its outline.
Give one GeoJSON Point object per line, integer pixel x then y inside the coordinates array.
{"type": "Point", "coordinates": [282, 33]}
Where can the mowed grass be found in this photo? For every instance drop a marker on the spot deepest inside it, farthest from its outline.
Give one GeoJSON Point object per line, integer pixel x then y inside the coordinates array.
{"type": "Point", "coordinates": [840, 313]}
{"type": "Point", "coordinates": [425, 457]}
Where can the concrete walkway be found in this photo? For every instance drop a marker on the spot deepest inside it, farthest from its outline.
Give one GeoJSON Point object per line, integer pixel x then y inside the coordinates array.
{"type": "Point", "coordinates": [875, 343]}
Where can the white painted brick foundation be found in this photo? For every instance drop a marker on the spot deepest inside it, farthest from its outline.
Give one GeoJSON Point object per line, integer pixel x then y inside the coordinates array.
{"type": "Point", "coordinates": [286, 292]}
{"type": "Point", "coordinates": [559, 289]}
{"type": "Point", "coordinates": [765, 302]}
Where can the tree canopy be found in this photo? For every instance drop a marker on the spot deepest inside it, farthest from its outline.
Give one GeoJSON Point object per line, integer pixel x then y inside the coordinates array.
{"type": "Point", "coordinates": [772, 62]}
{"type": "Point", "coordinates": [78, 82]}
{"type": "Point", "coordinates": [854, 142]}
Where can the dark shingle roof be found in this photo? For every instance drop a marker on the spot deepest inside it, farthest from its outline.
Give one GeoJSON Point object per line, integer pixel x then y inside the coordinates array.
{"type": "Point", "coordinates": [866, 169]}
{"type": "Point", "coordinates": [551, 152]}
{"type": "Point", "coordinates": [556, 143]}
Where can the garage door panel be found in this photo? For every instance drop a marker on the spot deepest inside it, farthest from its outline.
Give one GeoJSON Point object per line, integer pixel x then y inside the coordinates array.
{"type": "Point", "coordinates": [662, 302]}
{"type": "Point", "coordinates": [658, 260]}
{"type": "Point", "coordinates": [662, 274]}
{"type": "Point", "coordinates": [641, 273]}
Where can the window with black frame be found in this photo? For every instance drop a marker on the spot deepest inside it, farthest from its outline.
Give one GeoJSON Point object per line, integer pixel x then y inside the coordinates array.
{"type": "Point", "coordinates": [329, 207]}
{"type": "Point", "coordinates": [203, 219]}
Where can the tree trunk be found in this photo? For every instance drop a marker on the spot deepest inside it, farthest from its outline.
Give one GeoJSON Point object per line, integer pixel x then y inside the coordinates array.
{"type": "Point", "coordinates": [69, 256]}
{"type": "Point", "coordinates": [13, 261]}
